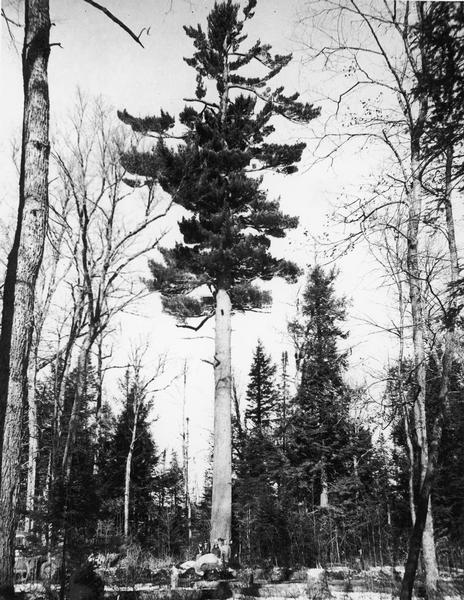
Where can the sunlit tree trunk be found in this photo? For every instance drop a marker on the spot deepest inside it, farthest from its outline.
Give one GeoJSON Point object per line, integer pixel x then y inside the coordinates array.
{"type": "Point", "coordinates": [221, 509]}
{"type": "Point", "coordinates": [324, 497]}
{"type": "Point", "coordinates": [22, 271]}
{"type": "Point", "coordinates": [127, 475]}
{"type": "Point", "coordinates": [33, 450]}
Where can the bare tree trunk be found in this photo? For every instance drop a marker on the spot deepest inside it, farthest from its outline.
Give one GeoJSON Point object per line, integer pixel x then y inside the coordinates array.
{"type": "Point", "coordinates": [81, 382]}
{"type": "Point", "coordinates": [429, 554]}
{"type": "Point", "coordinates": [425, 536]}
{"type": "Point", "coordinates": [428, 544]}
{"type": "Point", "coordinates": [98, 404]}
{"type": "Point", "coordinates": [423, 498]}
{"type": "Point", "coordinates": [408, 434]}
{"type": "Point", "coordinates": [127, 476]}
{"type": "Point", "coordinates": [450, 228]}
{"type": "Point", "coordinates": [33, 450]}
{"type": "Point", "coordinates": [185, 463]}
{"type": "Point", "coordinates": [324, 497]}
{"type": "Point", "coordinates": [221, 509]}
{"type": "Point", "coordinates": [22, 271]}
{"type": "Point", "coordinates": [428, 468]}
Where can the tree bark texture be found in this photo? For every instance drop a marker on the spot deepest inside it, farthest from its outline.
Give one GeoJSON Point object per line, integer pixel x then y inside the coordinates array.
{"type": "Point", "coordinates": [22, 270]}
{"type": "Point", "coordinates": [221, 509]}
{"type": "Point", "coordinates": [33, 450]}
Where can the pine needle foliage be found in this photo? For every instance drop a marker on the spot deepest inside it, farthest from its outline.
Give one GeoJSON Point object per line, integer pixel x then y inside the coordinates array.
{"type": "Point", "coordinates": [213, 169]}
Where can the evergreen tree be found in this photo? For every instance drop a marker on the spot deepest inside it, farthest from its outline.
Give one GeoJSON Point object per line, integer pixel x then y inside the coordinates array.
{"type": "Point", "coordinates": [442, 79]}
{"type": "Point", "coordinates": [143, 462]}
{"type": "Point", "coordinates": [226, 238]}
{"type": "Point", "coordinates": [171, 529]}
{"type": "Point", "coordinates": [261, 392]}
{"type": "Point", "coordinates": [73, 506]}
{"type": "Point", "coordinates": [283, 401]}
{"type": "Point", "coordinates": [327, 456]}
{"type": "Point", "coordinates": [318, 425]}
{"type": "Point", "coordinates": [257, 510]}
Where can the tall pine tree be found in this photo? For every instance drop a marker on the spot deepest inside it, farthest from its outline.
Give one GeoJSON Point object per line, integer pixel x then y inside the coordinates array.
{"type": "Point", "coordinates": [226, 238]}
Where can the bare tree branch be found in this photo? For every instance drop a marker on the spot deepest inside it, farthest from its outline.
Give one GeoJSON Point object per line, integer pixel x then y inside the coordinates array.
{"type": "Point", "coordinates": [115, 19]}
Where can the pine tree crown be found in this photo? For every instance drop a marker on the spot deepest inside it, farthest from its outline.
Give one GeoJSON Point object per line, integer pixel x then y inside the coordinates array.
{"type": "Point", "coordinates": [226, 237]}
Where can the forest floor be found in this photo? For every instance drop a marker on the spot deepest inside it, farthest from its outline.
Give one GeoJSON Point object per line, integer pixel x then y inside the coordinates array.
{"type": "Point", "coordinates": [335, 584]}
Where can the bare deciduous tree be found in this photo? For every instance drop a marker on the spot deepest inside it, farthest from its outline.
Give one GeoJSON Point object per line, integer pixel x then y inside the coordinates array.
{"type": "Point", "coordinates": [381, 102]}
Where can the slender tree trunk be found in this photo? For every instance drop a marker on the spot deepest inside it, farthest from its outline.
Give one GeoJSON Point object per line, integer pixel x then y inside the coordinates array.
{"type": "Point", "coordinates": [81, 384]}
{"type": "Point", "coordinates": [33, 451]}
{"type": "Point", "coordinates": [428, 470]}
{"type": "Point", "coordinates": [408, 434]}
{"type": "Point", "coordinates": [425, 523]}
{"type": "Point", "coordinates": [324, 497]}
{"type": "Point", "coordinates": [429, 554]}
{"type": "Point", "coordinates": [450, 228]}
{"type": "Point", "coordinates": [22, 271]}
{"type": "Point", "coordinates": [185, 463]}
{"type": "Point", "coordinates": [423, 498]}
{"type": "Point", "coordinates": [98, 404]}
{"type": "Point", "coordinates": [428, 544]}
{"type": "Point", "coordinates": [221, 509]}
{"type": "Point", "coordinates": [127, 476]}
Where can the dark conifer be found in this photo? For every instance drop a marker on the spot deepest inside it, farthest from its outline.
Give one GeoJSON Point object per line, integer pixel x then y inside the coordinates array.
{"type": "Point", "coordinates": [319, 430]}
{"type": "Point", "coordinates": [261, 391]}
{"type": "Point", "coordinates": [144, 460]}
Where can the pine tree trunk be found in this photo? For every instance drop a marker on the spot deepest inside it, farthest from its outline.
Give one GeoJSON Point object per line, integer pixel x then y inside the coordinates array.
{"type": "Point", "coordinates": [22, 271]}
{"type": "Point", "coordinates": [221, 509]}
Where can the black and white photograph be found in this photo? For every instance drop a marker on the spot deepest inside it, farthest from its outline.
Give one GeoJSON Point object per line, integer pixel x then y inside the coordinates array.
{"type": "Point", "coordinates": [231, 294]}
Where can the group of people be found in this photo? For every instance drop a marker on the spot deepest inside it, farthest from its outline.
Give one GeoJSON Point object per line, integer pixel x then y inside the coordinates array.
{"type": "Point", "coordinates": [209, 557]}
{"type": "Point", "coordinates": [220, 548]}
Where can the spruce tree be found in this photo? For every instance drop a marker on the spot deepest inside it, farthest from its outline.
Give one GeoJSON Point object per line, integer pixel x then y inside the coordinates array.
{"type": "Point", "coordinates": [226, 238]}
{"type": "Point", "coordinates": [257, 514]}
{"type": "Point", "coordinates": [144, 458]}
{"type": "Point", "coordinates": [319, 431]}
{"type": "Point", "coordinates": [261, 391]}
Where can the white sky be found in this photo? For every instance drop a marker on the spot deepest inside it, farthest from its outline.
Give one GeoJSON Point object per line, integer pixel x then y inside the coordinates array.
{"type": "Point", "coordinates": [103, 60]}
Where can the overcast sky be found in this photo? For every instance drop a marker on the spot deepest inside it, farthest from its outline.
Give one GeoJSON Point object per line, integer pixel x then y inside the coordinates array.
{"type": "Point", "coordinates": [102, 60]}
